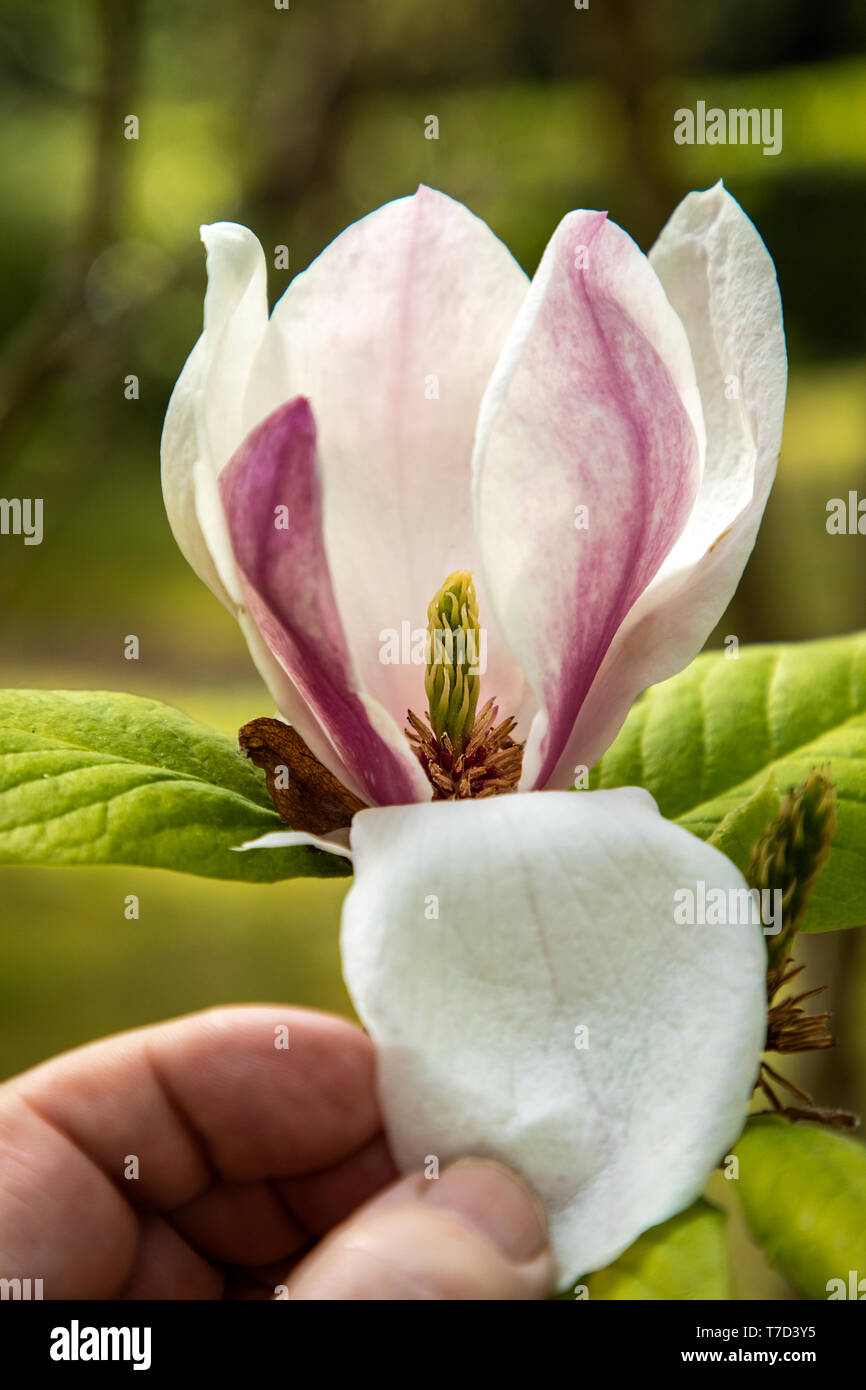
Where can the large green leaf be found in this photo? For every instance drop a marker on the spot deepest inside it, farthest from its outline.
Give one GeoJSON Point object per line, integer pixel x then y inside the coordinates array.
{"type": "Point", "coordinates": [704, 742]}
{"type": "Point", "coordinates": [89, 777]}
{"type": "Point", "coordinates": [683, 1258]}
{"type": "Point", "coordinates": [803, 1192]}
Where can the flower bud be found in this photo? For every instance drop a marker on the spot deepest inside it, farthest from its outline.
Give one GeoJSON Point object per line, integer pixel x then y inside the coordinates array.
{"type": "Point", "coordinates": [791, 853]}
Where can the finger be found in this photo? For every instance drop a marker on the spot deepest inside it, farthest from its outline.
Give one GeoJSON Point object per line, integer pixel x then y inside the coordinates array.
{"type": "Point", "coordinates": [204, 1095]}
{"type": "Point", "coordinates": [263, 1227]}
{"type": "Point", "coordinates": [61, 1219]}
{"type": "Point", "coordinates": [322, 1200]}
{"type": "Point", "coordinates": [475, 1233]}
{"type": "Point", "coordinates": [212, 1094]}
{"type": "Point", "coordinates": [166, 1266]}
{"type": "Point", "coordinates": [240, 1223]}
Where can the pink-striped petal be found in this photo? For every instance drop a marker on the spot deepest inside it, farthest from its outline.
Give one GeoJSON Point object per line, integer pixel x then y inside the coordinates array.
{"type": "Point", "coordinates": [271, 480]}
{"type": "Point", "coordinates": [720, 278]}
{"type": "Point", "coordinates": [593, 406]}
{"type": "Point", "coordinates": [204, 426]}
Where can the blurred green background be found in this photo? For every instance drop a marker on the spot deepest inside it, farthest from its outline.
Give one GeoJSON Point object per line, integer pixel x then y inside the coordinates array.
{"type": "Point", "coordinates": [296, 122]}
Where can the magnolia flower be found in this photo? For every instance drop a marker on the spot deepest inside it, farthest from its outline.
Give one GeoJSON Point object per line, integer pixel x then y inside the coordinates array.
{"type": "Point", "coordinates": [463, 519]}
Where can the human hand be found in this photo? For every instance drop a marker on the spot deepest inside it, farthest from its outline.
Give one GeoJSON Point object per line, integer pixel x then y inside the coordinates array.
{"type": "Point", "coordinates": [257, 1167]}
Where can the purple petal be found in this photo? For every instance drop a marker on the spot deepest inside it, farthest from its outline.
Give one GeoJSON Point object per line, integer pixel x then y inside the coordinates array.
{"type": "Point", "coordinates": [289, 594]}
{"type": "Point", "coordinates": [711, 262]}
{"type": "Point", "coordinates": [593, 405]}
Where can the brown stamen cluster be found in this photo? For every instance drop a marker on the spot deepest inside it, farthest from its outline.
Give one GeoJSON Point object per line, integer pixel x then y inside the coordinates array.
{"type": "Point", "coordinates": [789, 858]}
{"type": "Point", "coordinates": [488, 765]}
{"type": "Point", "coordinates": [791, 1029]}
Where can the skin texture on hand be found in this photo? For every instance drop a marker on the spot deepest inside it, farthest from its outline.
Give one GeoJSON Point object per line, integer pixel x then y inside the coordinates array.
{"type": "Point", "coordinates": [259, 1166]}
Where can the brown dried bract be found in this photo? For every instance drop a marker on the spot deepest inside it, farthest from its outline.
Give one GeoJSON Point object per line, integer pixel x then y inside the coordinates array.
{"type": "Point", "coordinates": [314, 799]}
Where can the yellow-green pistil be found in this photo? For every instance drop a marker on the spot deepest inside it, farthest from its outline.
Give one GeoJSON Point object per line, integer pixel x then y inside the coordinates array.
{"type": "Point", "coordinates": [452, 681]}
{"type": "Point", "coordinates": [462, 749]}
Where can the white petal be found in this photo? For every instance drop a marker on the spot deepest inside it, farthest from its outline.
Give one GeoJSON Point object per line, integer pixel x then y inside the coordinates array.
{"type": "Point", "coordinates": [204, 421]}
{"type": "Point", "coordinates": [718, 275]}
{"type": "Point", "coordinates": [204, 425]}
{"type": "Point", "coordinates": [392, 334]}
{"type": "Point", "coordinates": [479, 935]}
{"type": "Point", "coordinates": [720, 279]}
{"type": "Point", "coordinates": [180, 454]}
{"type": "Point", "coordinates": [335, 842]}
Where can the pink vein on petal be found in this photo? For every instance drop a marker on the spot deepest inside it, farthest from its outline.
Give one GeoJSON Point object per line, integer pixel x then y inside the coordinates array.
{"type": "Point", "coordinates": [290, 596]}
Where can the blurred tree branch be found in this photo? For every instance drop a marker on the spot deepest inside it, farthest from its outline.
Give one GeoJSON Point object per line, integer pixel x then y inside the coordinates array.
{"type": "Point", "coordinates": [631, 62]}
{"type": "Point", "coordinates": [58, 322]}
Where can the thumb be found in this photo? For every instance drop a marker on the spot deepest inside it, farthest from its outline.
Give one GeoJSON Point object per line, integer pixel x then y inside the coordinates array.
{"type": "Point", "coordinates": [477, 1232]}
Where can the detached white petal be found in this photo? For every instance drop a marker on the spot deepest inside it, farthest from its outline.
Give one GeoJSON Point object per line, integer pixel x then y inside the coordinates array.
{"type": "Point", "coordinates": [555, 914]}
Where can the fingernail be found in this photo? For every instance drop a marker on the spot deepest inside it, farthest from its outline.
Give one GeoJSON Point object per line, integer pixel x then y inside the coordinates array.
{"type": "Point", "coordinates": [495, 1202]}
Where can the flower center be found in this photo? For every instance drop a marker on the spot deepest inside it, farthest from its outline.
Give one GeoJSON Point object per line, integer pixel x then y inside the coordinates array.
{"type": "Point", "coordinates": [463, 752]}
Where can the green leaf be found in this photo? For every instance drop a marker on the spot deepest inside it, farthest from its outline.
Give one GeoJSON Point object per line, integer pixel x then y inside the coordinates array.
{"type": "Point", "coordinates": [684, 1258]}
{"type": "Point", "coordinates": [803, 1192]}
{"type": "Point", "coordinates": [94, 777]}
{"type": "Point", "coordinates": [705, 741]}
